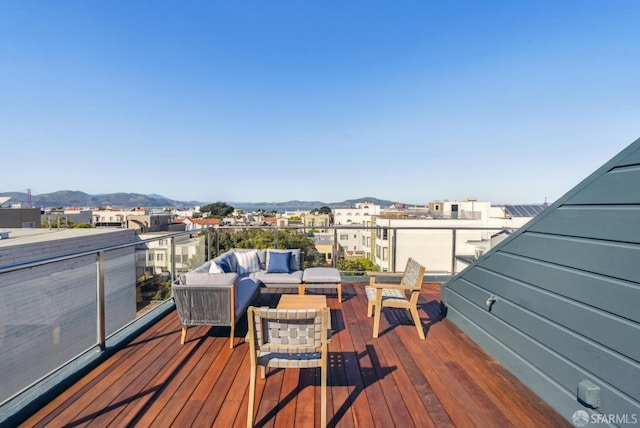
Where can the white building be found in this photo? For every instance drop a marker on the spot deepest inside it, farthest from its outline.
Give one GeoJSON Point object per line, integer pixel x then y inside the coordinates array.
{"type": "Point", "coordinates": [406, 228]}
{"type": "Point", "coordinates": [350, 241]}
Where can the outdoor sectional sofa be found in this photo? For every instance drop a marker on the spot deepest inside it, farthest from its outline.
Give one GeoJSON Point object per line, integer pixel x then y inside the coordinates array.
{"type": "Point", "coordinates": [218, 292]}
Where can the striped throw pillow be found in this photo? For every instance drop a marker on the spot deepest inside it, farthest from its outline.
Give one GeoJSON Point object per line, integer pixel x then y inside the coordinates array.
{"type": "Point", "coordinates": [247, 261]}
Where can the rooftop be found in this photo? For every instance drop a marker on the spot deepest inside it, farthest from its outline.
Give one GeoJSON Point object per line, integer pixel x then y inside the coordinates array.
{"type": "Point", "coordinates": [395, 380]}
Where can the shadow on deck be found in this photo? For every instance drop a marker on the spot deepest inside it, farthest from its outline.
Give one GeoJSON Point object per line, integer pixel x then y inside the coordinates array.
{"type": "Point", "coordinates": [395, 380]}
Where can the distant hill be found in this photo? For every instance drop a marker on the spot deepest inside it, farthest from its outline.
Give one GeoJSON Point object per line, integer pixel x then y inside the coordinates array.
{"type": "Point", "coordinates": [70, 198]}
{"type": "Point", "coordinates": [306, 205]}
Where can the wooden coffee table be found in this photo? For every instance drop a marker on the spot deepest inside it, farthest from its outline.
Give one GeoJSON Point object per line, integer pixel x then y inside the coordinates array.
{"type": "Point", "coordinates": [306, 301]}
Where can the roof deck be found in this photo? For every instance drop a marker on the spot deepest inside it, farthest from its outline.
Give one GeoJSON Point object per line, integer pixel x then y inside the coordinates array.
{"type": "Point", "coordinates": [395, 380]}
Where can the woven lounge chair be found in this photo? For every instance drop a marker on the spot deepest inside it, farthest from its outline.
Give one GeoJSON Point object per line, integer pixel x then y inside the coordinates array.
{"type": "Point", "coordinates": [394, 295]}
{"type": "Point", "coordinates": [287, 338]}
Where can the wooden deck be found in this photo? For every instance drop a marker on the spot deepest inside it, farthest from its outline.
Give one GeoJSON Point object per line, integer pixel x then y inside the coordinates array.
{"type": "Point", "coordinates": [396, 380]}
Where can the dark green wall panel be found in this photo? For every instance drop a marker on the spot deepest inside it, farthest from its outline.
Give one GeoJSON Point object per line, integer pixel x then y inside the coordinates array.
{"type": "Point", "coordinates": [611, 295]}
{"type": "Point", "coordinates": [620, 186]}
{"type": "Point", "coordinates": [576, 317]}
{"type": "Point", "coordinates": [604, 258]}
{"type": "Point", "coordinates": [633, 158]}
{"type": "Point", "coordinates": [611, 223]}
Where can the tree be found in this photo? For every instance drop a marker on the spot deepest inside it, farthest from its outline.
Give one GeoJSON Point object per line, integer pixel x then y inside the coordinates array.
{"type": "Point", "coordinates": [264, 238]}
{"type": "Point", "coordinates": [63, 222]}
{"type": "Point", "coordinates": [324, 210]}
{"type": "Point", "coordinates": [217, 209]}
{"type": "Point", "coordinates": [357, 266]}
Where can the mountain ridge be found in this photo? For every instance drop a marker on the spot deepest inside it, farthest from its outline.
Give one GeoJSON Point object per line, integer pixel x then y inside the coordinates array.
{"type": "Point", "coordinates": [74, 198]}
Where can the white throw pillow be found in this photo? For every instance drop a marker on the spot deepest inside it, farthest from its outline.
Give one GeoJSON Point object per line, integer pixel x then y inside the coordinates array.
{"type": "Point", "coordinates": [214, 268]}
{"type": "Point", "coordinates": [248, 262]}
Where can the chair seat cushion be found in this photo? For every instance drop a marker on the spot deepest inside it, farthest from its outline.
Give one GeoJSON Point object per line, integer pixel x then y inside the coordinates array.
{"type": "Point", "coordinates": [388, 294]}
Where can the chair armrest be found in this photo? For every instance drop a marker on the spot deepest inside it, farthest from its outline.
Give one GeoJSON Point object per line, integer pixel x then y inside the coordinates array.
{"type": "Point", "coordinates": [389, 274]}
{"type": "Point", "coordinates": [392, 285]}
{"type": "Point", "coordinates": [373, 275]}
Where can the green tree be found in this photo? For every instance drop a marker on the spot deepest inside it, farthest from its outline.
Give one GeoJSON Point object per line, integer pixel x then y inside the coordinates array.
{"type": "Point", "coordinates": [264, 238]}
{"type": "Point", "coordinates": [357, 266]}
{"type": "Point", "coordinates": [64, 223]}
{"type": "Point", "coordinates": [324, 210]}
{"type": "Point", "coordinates": [217, 209]}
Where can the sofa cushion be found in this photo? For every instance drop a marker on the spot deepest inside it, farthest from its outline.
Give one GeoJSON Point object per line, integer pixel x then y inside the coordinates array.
{"type": "Point", "coordinates": [224, 264]}
{"type": "Point", "coordinates": [247, 262]}
{"type": "Point", "coordinates": [279, 262]}
{"type": "Point", "coordinates": [206, 278]}
{"type": "Point", "coordinates": [262, 255]}
{"type": "Point", "coordinates": [294, 264]}
{"type": "Point", "coordinates": [246, 291]}
{"type": "Point", "coordinates": [214, 268]}
{"type": "Point", "coordinates": [274, 279]}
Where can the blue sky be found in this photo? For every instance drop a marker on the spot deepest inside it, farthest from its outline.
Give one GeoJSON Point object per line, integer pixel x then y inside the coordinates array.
{"type": "Point", "coordinates": [412, 101]}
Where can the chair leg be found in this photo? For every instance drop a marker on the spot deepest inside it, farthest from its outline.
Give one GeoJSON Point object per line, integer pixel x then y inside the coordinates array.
{"type": "Point", "coordinates": [339, 287]}
{"type": "Point", "coordinates": [323, 396]}
{"type": "Point", "coordinates": [417, 322]}
{"type": "Point", "coordinates": [376, 318]}
{"type": "Point", "coordinates": [252, 397]}
{"type": "Point", "coordinates": [301, 289]}
{"type": "Point", "coordinates": [232, 335]}
{"type": "Point", "coordinates": [183, 336]}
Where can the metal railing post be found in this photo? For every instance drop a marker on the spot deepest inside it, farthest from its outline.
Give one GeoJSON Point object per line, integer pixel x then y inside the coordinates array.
{"type": "Point", "coordinates": [453, 251]}
{"type": "Point", "coordinates": [334, 248]}
{"type": "Point", "coordinates": [101, 329]}
{"type": "Point", "coordinates": [217, 242]}
{"type": "Point", "coordinates": [208, 241]}
{"type": "Point", "coordinates": [275, 237]}
{"type": "Point", "coordinates": [173, 258]}
{"type": "Point", "coordinates": [393, 252]}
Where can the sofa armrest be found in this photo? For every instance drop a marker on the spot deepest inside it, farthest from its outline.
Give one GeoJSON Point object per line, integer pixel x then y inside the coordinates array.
{"type": "Point", "coordinates": [205, 299]}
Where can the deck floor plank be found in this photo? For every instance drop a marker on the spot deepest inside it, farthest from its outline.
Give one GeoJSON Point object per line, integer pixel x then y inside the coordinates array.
{"type": "Point", "coordinates": [395, 380]}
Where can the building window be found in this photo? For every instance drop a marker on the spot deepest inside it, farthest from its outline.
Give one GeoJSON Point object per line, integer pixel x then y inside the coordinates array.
{"type": "Point", "coordinates": [160, 257]}
{"type": "Point", "coordinates": [344, 237]}
{"type": "Point", "coordinates": [385, 253]}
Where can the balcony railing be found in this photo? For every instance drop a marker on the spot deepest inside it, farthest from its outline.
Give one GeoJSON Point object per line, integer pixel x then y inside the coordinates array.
{"type": "Point", "coordinates": [64, 313]}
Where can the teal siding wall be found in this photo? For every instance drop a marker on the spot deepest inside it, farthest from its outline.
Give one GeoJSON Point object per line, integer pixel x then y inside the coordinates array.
{"type": "Point", "coordinates": [568, 294]}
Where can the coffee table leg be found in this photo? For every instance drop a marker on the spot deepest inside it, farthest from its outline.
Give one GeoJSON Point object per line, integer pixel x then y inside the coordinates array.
{"type": "Point", "coordinates": [301, 289]}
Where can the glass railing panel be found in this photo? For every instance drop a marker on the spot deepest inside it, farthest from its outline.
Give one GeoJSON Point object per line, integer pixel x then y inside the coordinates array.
{"type": "Point", "coordinates": [48, 317]}
{"type": "Point", "coordinates": [120, 292]}
{"type": "Point", "coordinates": [156, 266]}
{"type": "Point", "coordinates": [191, 252]}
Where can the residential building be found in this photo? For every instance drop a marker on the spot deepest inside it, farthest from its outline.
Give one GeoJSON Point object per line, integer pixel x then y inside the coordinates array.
{"type": "Point", "coordinates": [199, 223]}
{"type": "Point", "coordinates": [316, 222]}
{"type": "Point", "coordinates": [350, 241]}
{"type": "Point", "coordinates": [18, 217]}
{"type": "Point", "coordinates": [404, 232]}
{"type": "Point", "coordinates": [359, 214]}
